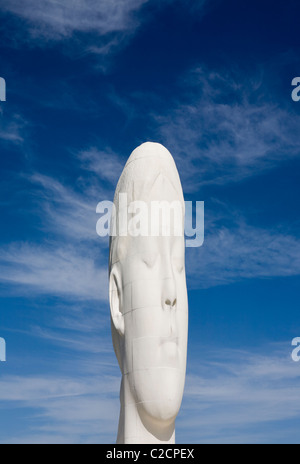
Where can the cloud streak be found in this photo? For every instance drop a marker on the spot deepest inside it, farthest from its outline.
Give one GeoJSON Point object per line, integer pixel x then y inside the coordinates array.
{"type": "Point", "coordinates": [242, 252]}
{"type": "Point", "coordinates": [223, 129]}
{"type": "Point", "coordinates": [105, 164]}
{"type": "Point", "coordinates": [70, 260]}
{"type": "Point", "coordinates": [12, 129]}
{"type": "Point", "coordinates": [53, 20]}
{"type": "Point", "coordinates": [71, 410]}
{"type": "Point", "coordinates": [52, 270]}
{"type": "Point", "coordinates": [231, 397]}
{"type": "Point", "coordinates": [85, 27]}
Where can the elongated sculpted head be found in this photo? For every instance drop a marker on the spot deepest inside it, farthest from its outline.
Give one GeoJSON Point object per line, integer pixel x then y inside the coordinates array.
{"type": "Point", "coordinates": [148, 294]}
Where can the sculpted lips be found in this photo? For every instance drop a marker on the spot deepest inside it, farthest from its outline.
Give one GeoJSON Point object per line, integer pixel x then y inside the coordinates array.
{"type": "Point", "coordinates": [169, 346]}
{"type": "Point", "coordinates": [169, 340]}
{"type": "Point", "coordinates": [170, 351]}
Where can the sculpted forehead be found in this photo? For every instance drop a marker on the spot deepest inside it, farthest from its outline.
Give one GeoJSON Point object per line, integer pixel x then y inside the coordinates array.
{"type": "Point", "coordinates": [163, 189]}
{"type": "Point", "coordinates": [163, 211]}
{"type": "Point", "coordinates": [150, 174]}
{"type": "Point", "coordinates": [142, 169]}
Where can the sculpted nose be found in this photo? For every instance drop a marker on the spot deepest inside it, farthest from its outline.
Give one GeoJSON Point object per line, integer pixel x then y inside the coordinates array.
{"type": "Point", "coordinates": [169, 295]}
{"type": "Point", "coordinates": [171, 304]}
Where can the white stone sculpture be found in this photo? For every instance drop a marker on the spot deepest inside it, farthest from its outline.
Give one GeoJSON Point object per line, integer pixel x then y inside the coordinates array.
{"type": "Point", "coordinates": [149, 305]}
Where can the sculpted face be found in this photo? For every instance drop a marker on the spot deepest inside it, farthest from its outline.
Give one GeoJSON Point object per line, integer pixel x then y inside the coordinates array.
{"type": "Point", "coordinates": [153, 300]}
{"type": "Point", "coordinates": [148, 298]}
{"type": "Point", "coordinates": [156, 329]}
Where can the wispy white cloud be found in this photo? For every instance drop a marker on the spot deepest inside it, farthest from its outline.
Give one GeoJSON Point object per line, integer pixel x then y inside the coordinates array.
{"type": "Point", "coordinates": [54, 20]}
{"type": "Point", "coordinates": [241, 251]}
{"type": "Point", "coordinates": [82, 333]}
{"type": "Point", "coordinates": [64, 211]}
{"type": "Point", "coordinates": [71, 259]}
{"type": "Point", "coordinates": [97, 27]}
{"type": "Point", "coordinates": [85, 27]}
{"type": "Point", "coordinates": [224, 129]}
{"type": "Point", "coordinates": [53, 270]}
{"type": "Point", "coordinates": [12, 128]}
{"type": "Point", "coordinates": [70, 410]}
{"type": "Point", "coordinates": [105, 164]}
{"type": "Point", "coordinates": [231, 397]}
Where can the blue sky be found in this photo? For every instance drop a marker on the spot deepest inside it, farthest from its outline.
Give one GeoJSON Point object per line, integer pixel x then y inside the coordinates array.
{"type": "Point", "coordinates": [88, 81]}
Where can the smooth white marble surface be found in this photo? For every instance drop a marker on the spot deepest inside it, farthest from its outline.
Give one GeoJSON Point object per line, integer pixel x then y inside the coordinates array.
{"type": "Point", "coordinates": [149, 306]}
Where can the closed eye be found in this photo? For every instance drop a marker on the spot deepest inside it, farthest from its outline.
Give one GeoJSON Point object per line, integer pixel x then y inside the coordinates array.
{"type": "Point", "coordinates": [150, 261]}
